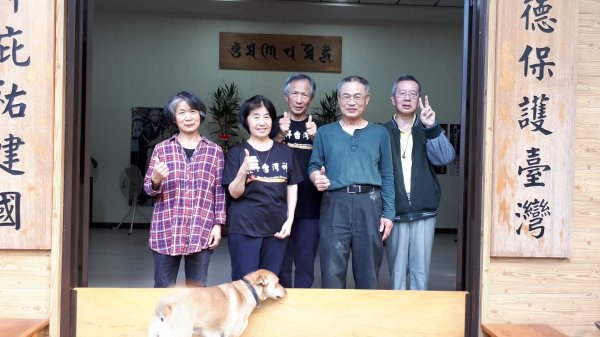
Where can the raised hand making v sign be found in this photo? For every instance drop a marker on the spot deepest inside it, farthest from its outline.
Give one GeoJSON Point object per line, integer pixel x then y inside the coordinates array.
{"type": "Point", "coordinates": [427, 114]}
{"type": "Point", "coordinates": [418, 144]}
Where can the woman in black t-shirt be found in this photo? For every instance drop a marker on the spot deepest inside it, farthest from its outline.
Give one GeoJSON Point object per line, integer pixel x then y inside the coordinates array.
{"type": "Point", "coordinates": [261, 177]}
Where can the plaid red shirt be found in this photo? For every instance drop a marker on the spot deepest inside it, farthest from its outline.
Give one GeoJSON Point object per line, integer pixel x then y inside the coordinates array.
{"type": "Point", "coordinates": [190, 201]}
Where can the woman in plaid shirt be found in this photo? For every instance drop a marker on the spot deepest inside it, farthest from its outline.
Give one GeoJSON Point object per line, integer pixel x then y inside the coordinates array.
{"type": "Point", "coordinates": [184, 176]}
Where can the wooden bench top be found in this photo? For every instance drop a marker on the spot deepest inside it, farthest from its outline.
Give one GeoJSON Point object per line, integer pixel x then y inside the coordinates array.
{"type": "Point", "coordinates": [521, 330]}
{"type": "Point", "coordinates": [303, 312]}
{"type": "Point", "coordinates": [22, 327]}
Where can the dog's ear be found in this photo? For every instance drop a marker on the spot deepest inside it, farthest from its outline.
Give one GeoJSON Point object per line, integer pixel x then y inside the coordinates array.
{"type": "Point", "coordinates": [164, 311]}
{"type": "Point", "coordinates": [262, 277]}
{"type": "Point", "coordinates": [263, 280]}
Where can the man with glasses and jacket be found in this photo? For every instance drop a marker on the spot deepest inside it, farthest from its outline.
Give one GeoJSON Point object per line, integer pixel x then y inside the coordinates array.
{"type": "Point", "coordinates": [418, 143]}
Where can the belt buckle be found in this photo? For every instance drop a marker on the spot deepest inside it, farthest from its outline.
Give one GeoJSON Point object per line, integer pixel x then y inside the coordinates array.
{"type": "Point", "coordinates": [352, 189]}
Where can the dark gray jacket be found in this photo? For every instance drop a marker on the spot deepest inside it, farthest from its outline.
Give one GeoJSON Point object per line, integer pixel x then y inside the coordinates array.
{"type": "Point", "coordinates": [430, 147]}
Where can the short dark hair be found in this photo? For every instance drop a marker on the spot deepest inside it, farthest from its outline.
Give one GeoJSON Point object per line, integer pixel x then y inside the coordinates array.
{"type": "Point", "coordinates": [406, 77]}
{"type": "Point", "coordinates": [355, 78]}
{"type": "Point", "coordinates": [298, 77]}
{"type": "Point", "coordinates": [191, 99]}
{"type": "Point", "coordinates": [254, 103]}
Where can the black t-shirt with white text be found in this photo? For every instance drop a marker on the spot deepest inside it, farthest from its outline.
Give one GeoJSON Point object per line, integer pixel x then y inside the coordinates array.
{"type": "Point", "coordinates": [262, 209]}
{"type": "Point", "coordinates": [309, 199]}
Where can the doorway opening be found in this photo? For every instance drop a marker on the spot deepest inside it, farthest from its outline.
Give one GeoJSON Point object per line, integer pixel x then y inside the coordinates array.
{"type": "Point", "coordinates": [139, 57]}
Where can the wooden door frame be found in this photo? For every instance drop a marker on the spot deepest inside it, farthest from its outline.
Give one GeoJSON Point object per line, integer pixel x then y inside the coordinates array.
{"type": "Point", "coordinates": [76, 207]}
{"type": "Point", "coordinates": [471, 161]}
{"type": "Point", "coordinates": [77, 159]}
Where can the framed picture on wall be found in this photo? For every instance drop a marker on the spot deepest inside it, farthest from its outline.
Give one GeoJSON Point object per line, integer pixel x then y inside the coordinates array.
{"type": "Point", "coordinates": [148, 128]}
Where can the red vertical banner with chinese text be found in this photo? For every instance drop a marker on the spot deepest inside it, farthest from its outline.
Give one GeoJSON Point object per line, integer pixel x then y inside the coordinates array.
{"type": "Point", "coordinates": [27, 47]}
{"type": "Point", "coordinates": [533, 128]}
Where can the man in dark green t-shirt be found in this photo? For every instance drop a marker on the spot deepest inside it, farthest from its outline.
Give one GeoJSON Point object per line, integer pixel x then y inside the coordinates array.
{"type": "Point", "coordinates": [352, 162]}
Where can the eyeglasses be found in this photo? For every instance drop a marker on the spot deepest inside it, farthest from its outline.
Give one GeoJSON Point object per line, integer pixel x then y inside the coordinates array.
{"type": "Point", "coordinates": [411, 94]}
{"type": "Point", "coordinates": [301, 95]}
{"type": "Point", "coordinates": [358, 99]}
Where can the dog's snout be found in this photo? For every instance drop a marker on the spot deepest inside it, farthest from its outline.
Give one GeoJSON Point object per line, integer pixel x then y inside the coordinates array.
{"type": "Point", "coordinates": [280, 292]}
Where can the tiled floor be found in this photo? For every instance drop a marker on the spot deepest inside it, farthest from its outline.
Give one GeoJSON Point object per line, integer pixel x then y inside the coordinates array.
{"type": "Point", "coordinates": [117, 259]}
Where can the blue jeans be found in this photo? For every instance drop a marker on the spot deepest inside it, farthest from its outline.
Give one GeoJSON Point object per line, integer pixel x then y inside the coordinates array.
{"type": "Point", "coordinates": [166, 268]}
{"type": "Point", "coordinates": [250, 253]}
{"type": "Point", "coordinates": [350, 222]}
{"type": "Point", "coordinates": [301, 252]}
{"type": "Point", "coordinates": [409, 250]}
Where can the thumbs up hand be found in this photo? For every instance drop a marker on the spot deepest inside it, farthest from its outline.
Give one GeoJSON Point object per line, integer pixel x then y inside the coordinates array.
{"type": "Point", "coordinates": [284, 124]}
{"type": "Point", "coordinates": [320, 180]}
{"type": "Point", "coordinates": [160, 171]}
{"type": "Point", "coordinates": [311, 127]}
{"type": "Point", "coordinates": [249, 165]}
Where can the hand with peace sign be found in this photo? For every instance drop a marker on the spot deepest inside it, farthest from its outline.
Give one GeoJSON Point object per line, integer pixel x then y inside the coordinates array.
{"type": "Point", "coordinates": [427, 114]}
{"type": "Point", "coordinates": [311, 127]}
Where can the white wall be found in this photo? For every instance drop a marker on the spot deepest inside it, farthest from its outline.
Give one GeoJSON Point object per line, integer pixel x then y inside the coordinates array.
{"type": "Point", "coordinates": [140, 59]}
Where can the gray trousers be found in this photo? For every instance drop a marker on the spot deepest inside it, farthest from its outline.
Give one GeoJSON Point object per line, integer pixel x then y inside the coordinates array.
{"type": "Point", "coordinates": [350, 223]}
{"type": "Point", "coordinates": [409, 251]}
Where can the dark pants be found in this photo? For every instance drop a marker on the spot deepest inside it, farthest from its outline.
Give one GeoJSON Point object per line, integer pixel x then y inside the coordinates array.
{"type": "Point", "coordinates": [301, 252]}
{"type": "Point", "coordinates": [250, 253]}
{"type": "Point", "coordinates": [350, 223]}
{"type": "Point", "coordinates": [166, 268]}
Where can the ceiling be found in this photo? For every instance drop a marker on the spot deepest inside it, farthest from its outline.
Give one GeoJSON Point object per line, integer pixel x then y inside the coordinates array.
{"type": "Point", "coordinates": [433, 3]}
{"type": "Point", "coordinates": [355, 12]}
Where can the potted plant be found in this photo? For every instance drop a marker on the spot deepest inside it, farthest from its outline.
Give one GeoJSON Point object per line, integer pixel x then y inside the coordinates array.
{"type": "Point", "coordinates": [224, 110]}
{"type": "Point", "coordinates": [329, 110]}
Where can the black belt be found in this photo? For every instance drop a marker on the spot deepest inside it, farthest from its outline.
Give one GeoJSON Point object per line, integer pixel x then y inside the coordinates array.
{"type": "Point", "coordinates": [352, 189]}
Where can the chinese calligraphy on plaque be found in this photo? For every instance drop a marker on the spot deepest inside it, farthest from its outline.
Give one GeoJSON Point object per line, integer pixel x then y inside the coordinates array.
{"type": "Point", "coordinates": [27, 63]}
{"type": "Point", "coordinates": [280, 52]}
{"type": "Point", "coordinates": [533, 122]}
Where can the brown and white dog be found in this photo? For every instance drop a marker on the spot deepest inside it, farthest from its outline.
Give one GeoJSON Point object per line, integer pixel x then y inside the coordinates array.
{"type": "Point", "coordinates": [219, 311]}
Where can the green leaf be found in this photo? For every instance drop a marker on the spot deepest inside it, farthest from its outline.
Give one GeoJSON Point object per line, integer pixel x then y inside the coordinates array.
{"type": "Point", "coordinates": [328, 110]}
{"type": "Point", "coordinates": [224, 108]}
